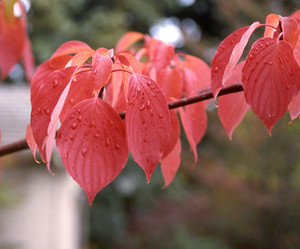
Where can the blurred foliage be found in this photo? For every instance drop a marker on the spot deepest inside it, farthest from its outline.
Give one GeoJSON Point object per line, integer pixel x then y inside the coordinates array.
{"type": "Point", "coordinates": [242, 194]}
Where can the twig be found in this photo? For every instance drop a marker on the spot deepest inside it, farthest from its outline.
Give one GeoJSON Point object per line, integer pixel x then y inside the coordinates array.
{"type": "Point", "coordinates": [22, 144]}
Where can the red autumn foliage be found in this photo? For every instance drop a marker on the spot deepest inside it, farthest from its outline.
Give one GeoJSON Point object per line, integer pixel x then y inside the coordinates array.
{"type": "Point", "coordinates": [85, 89]}
{"type": "Point", "coordinates": [14, 41]}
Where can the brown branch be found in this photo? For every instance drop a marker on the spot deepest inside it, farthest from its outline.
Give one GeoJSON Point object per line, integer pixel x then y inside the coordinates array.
{"type": "Point", "coordinates": [22, 144]}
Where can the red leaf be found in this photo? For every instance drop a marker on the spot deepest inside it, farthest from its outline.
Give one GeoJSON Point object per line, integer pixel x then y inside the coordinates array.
{"type": "Point", "coordinates": [12, 38]}
{"type": "Point", "coordinates": [272, 19]}
{"type": "Point", "coordinates": [81, 88]}
{"type": "Point", "coordinates": [80, 58]}
{"type": "Point", "coordinates": [147, 122]}
{"type": "Point", "coordinates": [169, 80]}
{"type": "Point", "coordinates": [46, 107]}
{"type": "Point", "coordinates": [28, 59]}
{"type": "Point", "coordinates": [290, 30]}
{"type": "Point", "coordinates": [171, 163]}
{"type": "Point", "coordinates": [71, 47]}
{"type": "Point", "coordinates": [174, 133]}
{"type": "Point", "coordinates": [43, 71]}
{"type": "Point", "coordinates": [202, 71]}
{"type": "Point", "coordinates": [294, 107]}
{"type": "Point", "coordinates": [194, 122]}
{"type": "Point", "coordinates": [127, 40]}
{"type": "Point", "coordinates": [271, 78]}
{"type": "Point", "coordinates": [129, 61]}
{"type": "Point", "coordinates": [233, 107]}
{"type": "Point", "coordinates": [228, 55]}
{"type": "Point", "coordinates": [102, 65]}
{"type": "Point", "coordinates": [92, 144]}
{"type": "Point", "coordinates": [31, 142]}
{"type": "Point", "coordinates": [159, 53]}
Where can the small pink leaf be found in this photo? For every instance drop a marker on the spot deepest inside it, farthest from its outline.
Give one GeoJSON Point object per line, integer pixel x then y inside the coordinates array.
{"type": "Point", "coordinates": [271, 78]}
{"type": "Point", "coordinates": [294, 107]}
{"type": "Point", "coordinates": [194, 122]}
{"type": "Point", "coordinates": [233, 107]}
{"type": "Point", "coordinates": [31, 142]}
{"type": "Point", "coordinates": [227, 56]}
{"type": "Point", "coordinates": [127, 40]}
{"type": "Point", "coordinates": [147, 122]}
{"type": "Point", "coordinates": [102, 65]}
{"type": "Point", "coordinates": [46, 107]}
{"type": "Point", "coordinates": [93, 146]}
{"type": "Point", "coordinates": [171, 163]}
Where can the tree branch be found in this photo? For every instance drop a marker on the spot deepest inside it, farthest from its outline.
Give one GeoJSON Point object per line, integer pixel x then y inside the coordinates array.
{"type": "Point", "coordinates": [22, 144]}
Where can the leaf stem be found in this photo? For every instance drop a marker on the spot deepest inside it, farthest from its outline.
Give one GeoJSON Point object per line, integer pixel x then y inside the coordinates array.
{"type": "Point", "coordinates": [22, 144]}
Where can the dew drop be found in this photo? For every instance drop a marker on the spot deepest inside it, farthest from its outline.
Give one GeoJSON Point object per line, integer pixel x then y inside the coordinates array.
{"type": "Point", "coordinates": [142, 95]}
{"type": "Point", "coordinates": [95, 71]}
{"type": "Point", "coordinates": [216, 69]}
{"type": "Point", "coordinates": [71, 138]}
{"type": "Point", "coordinates": [84, 152]}
{"type": "Point", "coordinates": [79, 110]}
{"type": "Point", "coordinates": [92, 124]}
{"type": "Point", "coordinates": [55, 83]}
{"type": "Point", "coordinates": [142, 107]}
{"type": "Point", "coordinates": [79, 119]}
{"type": "Point", "coordinates": [111, 123]}
{"type": "Point", "coordinates": [106, 141]}
{"type": "Point", "coordinates": [72, 102]}
{"type": "Point", "coordinates": [117, 146]}
{"type": "Point", "coordinates": [74, 125]}
{"type": "Point", "coordinates": [153, 94]}
{"type": "Point", "coordinates": [47, 111]}
{"type": "Point", "coordinates": [149, 83]}
{"type": "Point", "coordinates": [39, 110]}
{"type": "Point", "coordinates": [232, 41]}
{"type": "Point", "coordinates": [151, 113]}
{"type": "Point", "coordinates": [160, 115]}
{"type": "Point", "coordinates": [96, 135]}
{"type": "Point", "coordinates": [148, 104]}
{"type": "Point", "coordinates": [251, 56]}
{"type": "Point", "coordinates": [147, 157]}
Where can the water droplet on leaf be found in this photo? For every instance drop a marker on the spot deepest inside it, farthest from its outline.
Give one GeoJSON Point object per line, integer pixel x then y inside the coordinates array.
{"type": "Point", "coordinates": [55, 83]}
{"type": "Point", "coordinates": [47, 111]}
{"type": "Point", "coordinates": [74, 125]}
{"type": "Point", "coordinates": [142, 107]}
{"type": "Point", "coordinates": [106, 141]}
